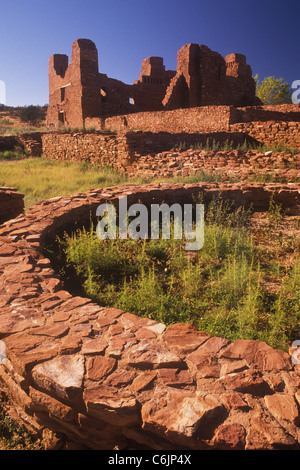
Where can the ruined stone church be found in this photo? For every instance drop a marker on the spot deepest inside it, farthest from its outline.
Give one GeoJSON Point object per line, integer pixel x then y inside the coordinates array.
{"type": "Point", "coordinates": [78, 91]}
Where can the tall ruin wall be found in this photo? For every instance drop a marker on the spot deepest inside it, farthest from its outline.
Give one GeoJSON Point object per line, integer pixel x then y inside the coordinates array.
{"type": "Point", "coordinates": [77, 91]}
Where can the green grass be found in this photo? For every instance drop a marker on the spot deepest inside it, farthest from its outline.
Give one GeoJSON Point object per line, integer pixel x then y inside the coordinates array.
{"type": "Point", "coordinates": [8, 128]}
{"type": "Point", "coordinates": [220, 289]}
{"type": "Point", "coordinates": [40, 179]}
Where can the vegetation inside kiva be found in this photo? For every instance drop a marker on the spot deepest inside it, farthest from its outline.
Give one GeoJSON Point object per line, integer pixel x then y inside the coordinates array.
{"type": "Point", "coordinates": [223, 289]}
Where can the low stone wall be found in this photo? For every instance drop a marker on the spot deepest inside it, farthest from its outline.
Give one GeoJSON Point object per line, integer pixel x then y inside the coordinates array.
{"type": "Point", "coordinates": [153, 155]}
{"type": "Point", "coordinates": [123, 149]}
{"type": "Point", "coordinates": [11, 203]}
{"type": "Point", "coordinates": [232, 163]}
{"type": "Point", "coordinates": [189, 120]}
{"type": "Point", "coordinates": [29, 142]}
{"type": "Point", "coordinates": [119, 150]}
{"type": "Point", "coordinates": [100, 148]}
{"type": "Point", "coordinates": [279, 112]}
{"type": "Point", "coordinates": [198, 119]}
{"type": "Point", "coordinates": [9, 142]}
{"type": "Point", "coordinates": [271, 133]}
{"type": "Point", "coordinates": [149, 143]}
{"type": "Point", "coordinates": [101, 378]}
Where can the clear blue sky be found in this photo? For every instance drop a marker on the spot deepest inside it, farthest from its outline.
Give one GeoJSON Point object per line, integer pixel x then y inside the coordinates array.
{"type": "Point", "coordinates": [127, 31]}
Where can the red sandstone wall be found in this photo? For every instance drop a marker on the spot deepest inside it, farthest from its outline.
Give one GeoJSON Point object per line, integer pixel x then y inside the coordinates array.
{"type": "Point", "coordinates": [120, 150]}
{"type": "Point", "coordinates": [232, 163]}
{"type": "Point", "coordinates": [105, 149]}
{"type": "Point", "coordinates": [77, 91]}
{"type": "Point", "coordinates": [272, 133]}
{"type": "Point", "coordinates": [11, 204]}
{"type": "Point", "coordinates": [65, 90]}
{"type": "Point", "coordinates": [30, 142]}
{"type": "Point", "coordinates": [201, 119]}
{"type": "Point", "coordinates": [281, 112]}
{"type": "Point", "coordinates": [153, 154]}
{"type": "Point", "coordinates": [272, 125]}
{"type": "Point", "coordinates": [9, 142]}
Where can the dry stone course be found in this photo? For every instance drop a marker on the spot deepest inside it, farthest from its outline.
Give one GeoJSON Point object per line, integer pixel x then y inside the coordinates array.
{"type": "Point", "coordinates": [101, 378]}
{"type": "Point", "coordinates": [31, 143]}
{"type": "Point", "coordinates": [237, 164]}
{"type": "Point", "coordinates": [79, 94]}
{"type": "Point", "coordinates": [166, 155]}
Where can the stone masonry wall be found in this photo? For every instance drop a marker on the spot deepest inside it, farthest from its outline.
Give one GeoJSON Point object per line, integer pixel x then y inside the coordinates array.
{"type": "Point", "coordinates": [100, 377]}
{"type": "Point", "coordinates": [193, 120]}
{"type": "Point", "coordinates": [105, 149]}
{"type": "Point", "coordinates": [197, 119]}
{"type": "Point", "coordinates": [272, 125]}
{"type": "Point", "coordinates": [28, 142]}
{"type": "Point", "coordinates": [278, 112]}
{"type": "Point", "coordinates": [271, 132]}
{"type": "Point", "coordinates": [11, 203]}
{"type": "Point", "coordinates": [236, 163]}
{"type": "Point", "coordinates": [167, 154]}
{"type": "Point", "coordinates": [120, 149]}
{"type": "Point", "coordinates": [78, 91]}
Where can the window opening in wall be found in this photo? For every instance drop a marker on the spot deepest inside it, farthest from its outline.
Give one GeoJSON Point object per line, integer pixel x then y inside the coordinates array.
{"type": "Point", "coordinates": [61, 117]}
{"type": "Point", "coordinates": [131, 101]}
{"type": "Point", "coordinates": [103, 94]}
{"type": "Point", "coordinates": [62, 94]}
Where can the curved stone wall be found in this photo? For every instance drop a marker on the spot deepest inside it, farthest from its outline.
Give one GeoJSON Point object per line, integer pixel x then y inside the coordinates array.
{"type": "Point", "coordinates": [101, 378]}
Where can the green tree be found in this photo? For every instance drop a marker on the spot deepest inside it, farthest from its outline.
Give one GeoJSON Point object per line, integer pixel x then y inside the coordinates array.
{"type": "Point", "coordinates": [273, 90]}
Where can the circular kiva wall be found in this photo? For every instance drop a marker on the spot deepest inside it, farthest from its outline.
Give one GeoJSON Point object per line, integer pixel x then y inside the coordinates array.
{"type": "Point", "coordinates": [101, 378]}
